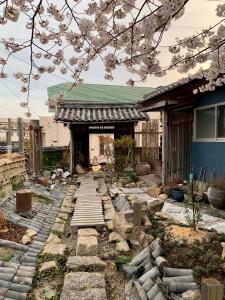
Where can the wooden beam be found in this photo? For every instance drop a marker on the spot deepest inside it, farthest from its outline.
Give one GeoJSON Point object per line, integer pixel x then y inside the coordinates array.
{"type": "Point", "coordinates": [158, 105]}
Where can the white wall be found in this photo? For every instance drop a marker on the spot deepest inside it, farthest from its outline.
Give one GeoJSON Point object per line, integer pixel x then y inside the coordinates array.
{"type": "Point", "coordinates": [54, 134]}
{"type": "Point", "coordinates": [94, 146]}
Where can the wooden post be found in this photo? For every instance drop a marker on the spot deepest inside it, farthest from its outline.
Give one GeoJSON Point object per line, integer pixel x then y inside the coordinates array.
{"type": "Point", "coordinates": [132, 150]}
{"type": "Point", "coordinates": [137, 213]}
{"type": "Point", "coordinates": [40, 148]}
{"type": "Point", "coordinates": [31, 146]}
{"type": "Point", "coordinates": [9, 143]}
{"type": "Point", "coordinates": [20, 135]}
{"type": "Point", "coordinates": [71, 151]}
{"type": "Point", "coordinates": [211, 289]}
{"type": "Point", "coordinates": [164, 145]}
{"type": "Point", "coordinates": [35, 147]}
{"type": "Point", "coordinates": [23, 200]}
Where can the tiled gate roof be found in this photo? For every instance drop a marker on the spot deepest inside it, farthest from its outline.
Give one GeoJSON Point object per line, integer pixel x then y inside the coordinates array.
{"type": "Point", "coordinates": [87, 113]}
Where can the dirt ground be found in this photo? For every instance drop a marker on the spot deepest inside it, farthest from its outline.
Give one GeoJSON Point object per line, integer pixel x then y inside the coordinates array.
{"type": "Point", "coordinates": [12, 232]}
{"type": "Point", "coordinates": [114, 278]}
{"type": "Point", "coordinates": [204, 258]}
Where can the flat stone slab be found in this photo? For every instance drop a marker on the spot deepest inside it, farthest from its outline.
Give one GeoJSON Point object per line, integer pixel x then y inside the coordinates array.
{"type": "Point", "coordinates": [48, 265]}
{"type": "Point", "coordinates": [84, 286]}
{"type": "Point", "coordinates": [59, 227]}
{"type": "Point", "coordinates": [132, 191]}
{"type": "Point", "coordinates": [87, 246]}
{"type": "Point", "coordinates": [84, 262]}
{"type": "Point", "coordinates": [54, 239]}
{"type": "Point", "coordinates": [54, 249]}
{"type": "Point", "coordinates": [87, 232]}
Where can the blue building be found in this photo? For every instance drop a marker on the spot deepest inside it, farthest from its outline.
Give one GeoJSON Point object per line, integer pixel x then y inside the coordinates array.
{"type": "Point", "coordinates": [193, 129]}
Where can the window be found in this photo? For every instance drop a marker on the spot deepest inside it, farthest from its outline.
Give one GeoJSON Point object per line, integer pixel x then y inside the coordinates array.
{"type": "Point", "coordinates": [205, 123]}
{"type": "Point", "coordinates": [210, 123]}
{"type": "Point", "coordinates": [102, 146]}
{"type": "Point", "coordinates": [221, 121]}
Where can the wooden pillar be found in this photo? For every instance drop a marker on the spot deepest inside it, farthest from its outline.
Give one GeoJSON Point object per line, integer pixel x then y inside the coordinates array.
{"type": "Point", "coordinates": [31, 146]}
{"type": "Point", "coordinates": [9, 136]}
{"type": "Point", "coordinates": [40, 149]}
{"type": "Point", "coordinates": [137, 213]}
{"type": "Point", "coordinates": [132, 154]}
{"type": "Point", "coordinates": [71, 151]}
{"type": "Point", "coordinates": [34, 162]}
{"type": "Point", "coordinates": [20, 135]}
{"type": "Point", "coordinates": [164, 145]}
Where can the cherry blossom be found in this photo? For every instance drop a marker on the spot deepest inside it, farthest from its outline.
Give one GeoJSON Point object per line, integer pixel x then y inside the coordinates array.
{"type": "Point", "coordinates": [69, 35]}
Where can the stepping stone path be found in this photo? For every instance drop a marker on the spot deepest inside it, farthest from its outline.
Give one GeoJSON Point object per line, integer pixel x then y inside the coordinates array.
{"type": "Point", "coordinates": [16, 276]}
{"type": "Point", "coordinates": [88, 207]}
{"type": "Point", "coordinates": [83, 286]}
{"type": "Point", "coordinates": [87, 284]}
{"type": "Point", "coordinates": [77, 263]}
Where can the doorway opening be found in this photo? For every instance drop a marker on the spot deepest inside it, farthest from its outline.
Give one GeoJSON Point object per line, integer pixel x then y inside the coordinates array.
{"type": "Point", "coordinates": [101, 148]}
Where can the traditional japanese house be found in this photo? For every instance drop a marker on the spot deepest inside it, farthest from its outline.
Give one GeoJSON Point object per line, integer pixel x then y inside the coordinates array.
{"type": "Point", "coordinates": [193, 128]}
{"type": "Point", "coordinates": [91, 109]}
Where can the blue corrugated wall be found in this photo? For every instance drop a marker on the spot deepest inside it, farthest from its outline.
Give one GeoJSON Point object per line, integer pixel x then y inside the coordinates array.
{"type": "Point", "coordinates": [209, 155]}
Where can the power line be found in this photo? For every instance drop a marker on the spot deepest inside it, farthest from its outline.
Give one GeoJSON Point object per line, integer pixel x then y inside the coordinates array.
{"type": "Point", "coordinates": [57, 88]}
{"type": "Point", "coordinates": [16, 96]}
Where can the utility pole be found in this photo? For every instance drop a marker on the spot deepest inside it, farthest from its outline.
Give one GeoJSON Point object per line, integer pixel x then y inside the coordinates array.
{"type": "Point", "coordinates": [20, 135]}
{"type": "Point", "coordinates": [9, 144]}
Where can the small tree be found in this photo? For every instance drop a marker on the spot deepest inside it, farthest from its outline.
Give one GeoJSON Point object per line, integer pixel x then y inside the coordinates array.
{"type": "Point", "coordinates": [125, 144]}
{"type": "Point", "coordinates": [108, 148]}
{"type": "Point", "coordinates": [193, 214]}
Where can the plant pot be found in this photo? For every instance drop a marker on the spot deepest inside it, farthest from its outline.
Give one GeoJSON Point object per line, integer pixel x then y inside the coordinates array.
{"type": "Point", "coordinates": [216, 198]}
{"type": "Point", "coordinates": [142, 168]}
{"type": "Point", "coordinates": [177, 194]}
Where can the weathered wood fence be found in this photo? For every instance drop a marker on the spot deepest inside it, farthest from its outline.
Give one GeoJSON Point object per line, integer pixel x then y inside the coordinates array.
{"type": "Point", "coordinates": [149, 143]}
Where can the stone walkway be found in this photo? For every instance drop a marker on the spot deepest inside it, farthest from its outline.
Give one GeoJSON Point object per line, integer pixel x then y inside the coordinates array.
{"type": "Point", "coordinates": [85, 280]}
{"type": "Point", "coordinates": [16, 276]}
{"type": "Point", "coordinates": [88, 207]}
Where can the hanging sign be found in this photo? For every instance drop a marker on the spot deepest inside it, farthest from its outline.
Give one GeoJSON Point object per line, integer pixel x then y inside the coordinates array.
{"type": "Point", "coordinates": [101, 127]}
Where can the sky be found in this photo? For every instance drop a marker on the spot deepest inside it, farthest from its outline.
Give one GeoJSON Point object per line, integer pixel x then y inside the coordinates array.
{"type": "Point", "coordinates": [198, 14]}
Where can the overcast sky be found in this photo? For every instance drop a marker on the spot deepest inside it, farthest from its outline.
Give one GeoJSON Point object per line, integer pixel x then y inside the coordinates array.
{"type": "Point", "coordinates": [198, 14]}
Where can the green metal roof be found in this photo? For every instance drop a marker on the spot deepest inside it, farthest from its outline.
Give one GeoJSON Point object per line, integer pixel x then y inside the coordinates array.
{"type": "Point", "coordinates": [100, 93]}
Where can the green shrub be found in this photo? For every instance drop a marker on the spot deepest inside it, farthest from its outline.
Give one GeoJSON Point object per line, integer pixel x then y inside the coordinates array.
{"type": "Point", "coordinates": [132, 175]}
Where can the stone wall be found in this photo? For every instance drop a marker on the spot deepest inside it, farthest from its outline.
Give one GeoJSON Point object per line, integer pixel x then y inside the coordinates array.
{"type": "Point", "coordinates": [12, 167]}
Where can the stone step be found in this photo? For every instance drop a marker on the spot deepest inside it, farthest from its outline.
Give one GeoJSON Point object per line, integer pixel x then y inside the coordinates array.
{"type": "Point", "coordinates": [84, 263]}
{"type": "Point", "coordinates": [84, 285]}
{"type": "Point", "coordinates": [87, 246]}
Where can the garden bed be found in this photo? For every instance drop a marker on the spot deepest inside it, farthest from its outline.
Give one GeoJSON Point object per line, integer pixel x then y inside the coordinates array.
{"type": "Point", "coordinates": [12, 232]}
{"type": "Point", "coordinates": [204, 258]}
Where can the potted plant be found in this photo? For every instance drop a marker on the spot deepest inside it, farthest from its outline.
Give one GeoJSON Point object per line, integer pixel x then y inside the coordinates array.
{"type": "Point", "coordinates": [216, 191]}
